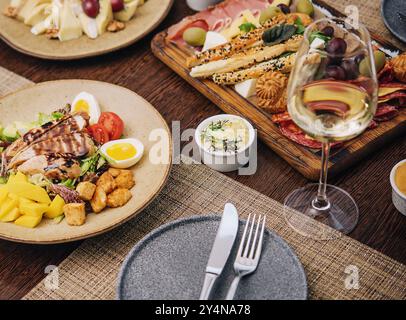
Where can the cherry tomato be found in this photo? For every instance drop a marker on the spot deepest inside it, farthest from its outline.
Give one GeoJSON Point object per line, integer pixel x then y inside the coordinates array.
{"type": "Point", "coordinates": [99, 133]}
{"type": "Point", "coordinates": [117, 5]}
{"type": "Point", "coordinates": [91, 8]}
{"type": "Point", "coordinates": [113, 124]}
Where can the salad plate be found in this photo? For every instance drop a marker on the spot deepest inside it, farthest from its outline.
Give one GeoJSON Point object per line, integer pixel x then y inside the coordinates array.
{"type": "Point", "coordinates": [149, 175]}
{"type": "Point", "coordinates": [18, 35]}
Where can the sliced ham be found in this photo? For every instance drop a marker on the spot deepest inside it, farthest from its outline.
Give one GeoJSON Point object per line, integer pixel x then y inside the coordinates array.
{"type": "Point", "coordinates": [216, 18]}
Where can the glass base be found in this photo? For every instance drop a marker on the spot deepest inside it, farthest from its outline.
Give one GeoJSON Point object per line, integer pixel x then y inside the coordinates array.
{"type": "Point", "coordinates": [340, 215]}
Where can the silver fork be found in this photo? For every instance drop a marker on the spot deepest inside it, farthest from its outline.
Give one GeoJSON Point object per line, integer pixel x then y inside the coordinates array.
{"type": "Point", "coordinates": [248, 254]}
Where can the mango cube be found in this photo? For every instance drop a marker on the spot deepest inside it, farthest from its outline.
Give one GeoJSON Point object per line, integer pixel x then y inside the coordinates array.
{"type": "Point", "coordinates": [3, 195]}
{"type": "Point", "coordinates": [28, 221]}
{"type": "Point", "coordinates": [56, 208]}
{"type": "Point", "coordinates": [33, 209]}
{"type": "Point", "coordinates": [19, 177]}
{"type": "Point", "coordinates": [11, 216]}
{"type": "Point", "coordinates": [29, 191]}
{"type": "Point", "coordinates": [7, 206]}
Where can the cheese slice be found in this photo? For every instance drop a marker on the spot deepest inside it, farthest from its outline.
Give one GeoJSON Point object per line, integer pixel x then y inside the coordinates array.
{"type": "Point", "coordinates": [384, 91]}
{"type": "Point", "coordinates": [105, 16]}
{"type": "Point", "coordinates": [128, 12]}
{"type": "Point", "coordinates": [213, 39]}
{"type": "Point", "coordinates": [246, 88]}
{"type": "Point", "coordinates": [42, 26]}
{"type": "Point", "coordinates": [28, 7]}
{"type": "Point", "coordinates": [234, 29]}
{"type": "Point", "coordinates": [38, 14]}
{"type": "Point", "coordinates": [70, 27]}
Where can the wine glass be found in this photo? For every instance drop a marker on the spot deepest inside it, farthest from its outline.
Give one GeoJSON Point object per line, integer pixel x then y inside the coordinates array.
{"type": "Point", "coordinates": [332, 97]}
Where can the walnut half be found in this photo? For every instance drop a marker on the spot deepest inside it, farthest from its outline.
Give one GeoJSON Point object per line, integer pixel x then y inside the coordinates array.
{"type": "Point", "coordinates": [52, 33]}
{"type": "Point", "coordinates": [10, 11]}
{"type": "Point", "coordinates": [115, 26]}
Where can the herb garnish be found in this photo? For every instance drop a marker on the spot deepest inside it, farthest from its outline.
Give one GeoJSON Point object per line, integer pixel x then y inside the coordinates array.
{"type": "Point", "coordinates": [318, 34]}
{"type": "Point", "coordinates": [247, 27]}
{"type": "Point", "coordinates": [300, 28]}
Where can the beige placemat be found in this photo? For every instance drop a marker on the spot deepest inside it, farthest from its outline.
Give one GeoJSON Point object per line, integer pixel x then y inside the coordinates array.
{"type": "Point", "coordinates": [90, 272]}
{"type": "Point", "coordinates": [370, 15]}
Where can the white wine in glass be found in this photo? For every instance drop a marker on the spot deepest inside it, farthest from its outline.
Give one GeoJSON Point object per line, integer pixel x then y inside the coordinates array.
{"type": "Point", "coordinates": [332, 96]}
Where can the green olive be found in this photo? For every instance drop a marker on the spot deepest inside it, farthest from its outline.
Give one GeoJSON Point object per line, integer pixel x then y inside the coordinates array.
{"type": "Point", "coordinates": [269, 13]}
{"type": "Point", "coordinates": [380, 61]}
{"type": "Point", "coordinates": [195, 36]}
{"type": "Point", "coordinates": [305, 6]}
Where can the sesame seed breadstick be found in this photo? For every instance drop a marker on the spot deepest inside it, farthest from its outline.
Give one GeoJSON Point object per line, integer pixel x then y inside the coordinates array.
{"type": "Point", "coordinates": [250, 58]}
{"type": "Point", "coordinates": [244, 41]}
{"type": "Point", "coordinates": [283, 65]}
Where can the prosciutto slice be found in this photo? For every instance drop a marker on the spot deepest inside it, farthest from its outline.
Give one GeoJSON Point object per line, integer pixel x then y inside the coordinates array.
{"type": "Point", "coordinates": [216, 18]}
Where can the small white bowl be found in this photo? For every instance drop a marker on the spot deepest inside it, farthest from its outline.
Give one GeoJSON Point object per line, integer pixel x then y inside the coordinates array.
{"type": "Point", "coordinates": [221, 161]}
{"type": "Point", "coordinates": [398, 198]}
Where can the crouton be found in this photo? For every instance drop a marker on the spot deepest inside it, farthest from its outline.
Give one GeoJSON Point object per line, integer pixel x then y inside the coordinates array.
{"type": "Point", "coordinates": [114, 172]}
{"type": "Point", "coordinates": [125, 179]}
{"type": "Point", "coordinates": [106, 182]}
{"type": "Point", "coordinates": [118, 198]}
{"type": "Point", "coordinates": [86, 190]}
{"type": "Point", "coordinates": [75, 213]}
{"type": "Point", "coordinates": [99, 200]}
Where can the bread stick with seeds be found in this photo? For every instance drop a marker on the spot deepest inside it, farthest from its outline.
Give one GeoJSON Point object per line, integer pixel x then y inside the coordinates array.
{"type": "Point", "coordinates": [250, 58]}
{"type": "Point", "coordinates": [244, 41]}
{"type": "Point", "coordinates": [284, 65]}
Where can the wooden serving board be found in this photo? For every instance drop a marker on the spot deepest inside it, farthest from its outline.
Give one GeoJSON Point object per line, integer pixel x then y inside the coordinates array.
{"type": "Point", "coordinates": [305, 160]}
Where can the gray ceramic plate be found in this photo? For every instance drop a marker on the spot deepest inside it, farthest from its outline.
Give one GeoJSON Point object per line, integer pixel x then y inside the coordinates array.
{"type": "Point", "coordinates": [394, 16]}
{"type": "Point", "coordinates": [169, 264]}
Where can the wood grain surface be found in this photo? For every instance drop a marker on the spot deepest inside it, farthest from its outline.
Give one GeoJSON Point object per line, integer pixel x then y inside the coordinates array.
{"type": "Point", "coordinates": [380, 227]}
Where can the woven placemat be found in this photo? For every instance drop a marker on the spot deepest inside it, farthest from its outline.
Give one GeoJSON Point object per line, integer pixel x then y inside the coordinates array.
{"type": "Point", "coordinates": [370, 16]}
{"type": "Point", "coordinates": [90, 272]}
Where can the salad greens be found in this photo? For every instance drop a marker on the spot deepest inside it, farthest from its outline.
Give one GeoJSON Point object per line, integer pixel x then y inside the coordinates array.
{"type": "Point", "coordinates": [15, 130]}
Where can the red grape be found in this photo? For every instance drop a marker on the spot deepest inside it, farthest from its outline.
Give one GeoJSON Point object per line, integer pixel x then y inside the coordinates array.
{"type": "Point", "coordinates": [336, 46]}
{"type": "Point", "coordinates": [328, 31]}
{"type": "Point", "coordinates": [91, 8]}
{"type": "Point", "coordinates": [117, 5]}
{"type": "Point", "coordinates": [284, 8]}
{"type": "Point", "coordinates": [350, 68]}
{"type": "Point", "coordinates": [335, 72]}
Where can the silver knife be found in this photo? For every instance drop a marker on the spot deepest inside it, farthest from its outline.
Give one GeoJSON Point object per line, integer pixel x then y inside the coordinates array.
{"type": "Point", "coordinates": [221, 250]}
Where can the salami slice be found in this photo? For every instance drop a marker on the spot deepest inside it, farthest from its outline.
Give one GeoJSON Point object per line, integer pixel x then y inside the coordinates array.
{"type": "Point", "coordinates": [293, 132]}
{"type": "Point", "coordinates": [386, 74]}
{"type": "Point", "coordinates": [385, 112]}
{"type": "Point", "coordinates": [281, 117]}
{"type": "Point", "coordinates": [373, 124]}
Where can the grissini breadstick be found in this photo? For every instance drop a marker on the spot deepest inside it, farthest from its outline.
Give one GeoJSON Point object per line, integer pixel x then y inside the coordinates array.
{"type": "Point", "coordinates": [252, 57]}
{"type": "Point", "coordinates": [283, 65]}
{"type": "Point", "coordinates": [244, 41]}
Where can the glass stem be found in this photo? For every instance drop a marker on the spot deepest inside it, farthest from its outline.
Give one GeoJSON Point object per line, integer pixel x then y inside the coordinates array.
{"type": "Point", "coordinates": [321, 202]}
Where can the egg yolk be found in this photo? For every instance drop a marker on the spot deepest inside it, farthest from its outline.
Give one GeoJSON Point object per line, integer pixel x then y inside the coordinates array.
{"type": "Point", "coordinates": [121, 151]}
{"type": "Point", "coordinates": [82, 106]}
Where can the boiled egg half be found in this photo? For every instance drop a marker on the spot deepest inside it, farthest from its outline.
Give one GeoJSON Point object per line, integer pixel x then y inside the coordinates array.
{"type": "Point", "coordinates": [86, 102]}
{"type": "Point", "coordinates": [123, 153]}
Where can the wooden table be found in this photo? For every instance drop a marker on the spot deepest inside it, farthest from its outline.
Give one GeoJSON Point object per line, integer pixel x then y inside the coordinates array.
{"type": "Point", "coordinates": [380, 226]}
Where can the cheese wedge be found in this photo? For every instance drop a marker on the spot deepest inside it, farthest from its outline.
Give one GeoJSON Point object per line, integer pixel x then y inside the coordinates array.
{"type": "Point", "coordinates": [89, 25]}
{"type": "Point", "coordinates": [128, 12]}
{"type": "Point", "coordinates": [38, 14]}
{"type": "Point", "coordinates": [28, 8]}
{"type": "Point", "coordinates": [104, 17]}
{"type": "Point", "coordinates": [70, 27]}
